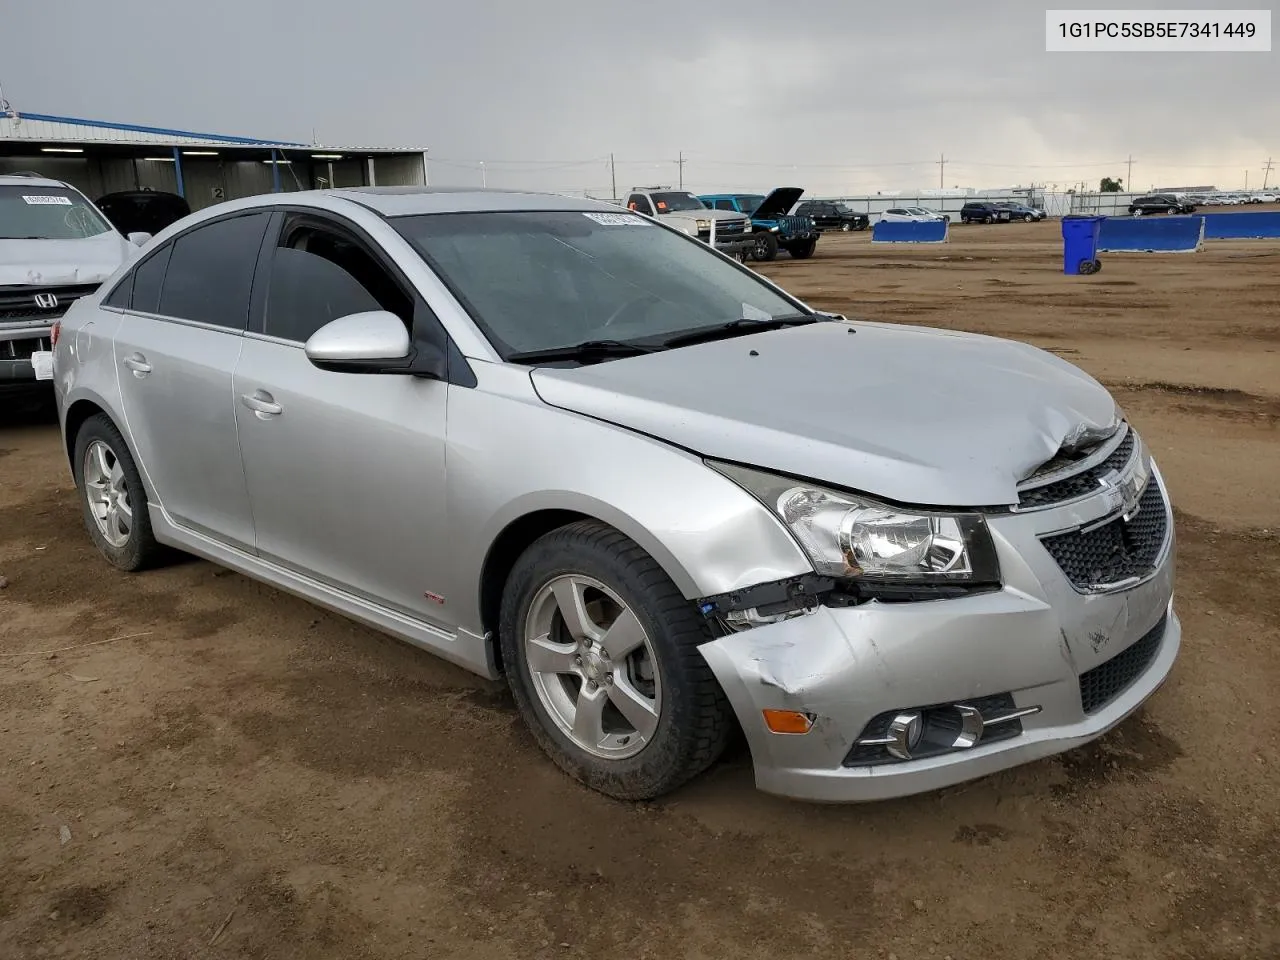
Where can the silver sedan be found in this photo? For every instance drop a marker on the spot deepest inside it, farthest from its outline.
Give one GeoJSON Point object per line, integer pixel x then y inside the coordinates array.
{"type": "Point", "coordinates": [554, 441]}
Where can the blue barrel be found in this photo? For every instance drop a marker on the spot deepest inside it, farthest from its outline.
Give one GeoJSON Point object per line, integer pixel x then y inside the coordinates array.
{"type": "Point", "coordinates": [1080, 244]}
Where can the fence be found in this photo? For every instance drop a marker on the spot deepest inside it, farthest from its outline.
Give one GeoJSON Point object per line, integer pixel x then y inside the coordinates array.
{"type": "Point", "coordinates": [1151, 234]}
{"type": "Point", "coordinates": [1242, 226]}
{"type": "Point", "coordinates": [918, 231]}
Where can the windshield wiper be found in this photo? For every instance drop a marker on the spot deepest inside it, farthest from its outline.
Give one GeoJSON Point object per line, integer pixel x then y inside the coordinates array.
{"type": "Point", "coordinates": [741, 327]}
{"type": "Point", "coordinates": [586, 351]}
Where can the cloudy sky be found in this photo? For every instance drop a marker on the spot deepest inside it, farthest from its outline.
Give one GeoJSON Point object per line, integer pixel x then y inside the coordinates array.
{"type": "Point", "coordinates": [838, 96]}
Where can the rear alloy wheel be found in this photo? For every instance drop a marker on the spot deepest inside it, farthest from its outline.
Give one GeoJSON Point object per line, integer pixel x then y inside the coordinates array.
{"type": "Point", "coordinates": [112, 496]}
{"type": "Point", "coordinates": [601, 652]}
{"type": "Point", "coordinates": [766, 247]}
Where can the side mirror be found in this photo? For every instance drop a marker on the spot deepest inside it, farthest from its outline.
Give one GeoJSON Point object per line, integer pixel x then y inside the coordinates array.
{"type": "Point", "coordinates": [372, 342]}
{"type": "Point", "coordinates": [139, 238]}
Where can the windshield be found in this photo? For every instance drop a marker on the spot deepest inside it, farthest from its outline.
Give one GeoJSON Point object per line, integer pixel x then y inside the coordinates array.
{"type": "Point", "coordinates": [47, 213]}
{"type": "Point", "coordinates": [843, 208]}
{"type": "Point", "coordinates": [670, 200]}
{"type": "Point", "coordinates": [750, 202]}
{"type": "Point", "coordinates": [537, 280]}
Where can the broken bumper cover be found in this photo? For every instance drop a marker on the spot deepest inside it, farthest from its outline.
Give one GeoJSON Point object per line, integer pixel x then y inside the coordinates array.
{"type": "Point", "coordinates": [1029, 643]}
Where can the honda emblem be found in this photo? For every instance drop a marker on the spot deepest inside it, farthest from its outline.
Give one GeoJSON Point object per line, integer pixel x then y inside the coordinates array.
{"type": "Point", "coordinates": [46, 301]}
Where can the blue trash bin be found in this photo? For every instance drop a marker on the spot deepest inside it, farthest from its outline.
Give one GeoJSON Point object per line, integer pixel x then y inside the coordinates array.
{"type": "Point", "coordinates": [1080, 244]}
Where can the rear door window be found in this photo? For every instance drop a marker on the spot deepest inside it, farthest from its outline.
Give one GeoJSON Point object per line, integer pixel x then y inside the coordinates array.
{"type": "Point", "coordinates": [210, 273]}
{"type": "Point", "coordinates": [148, 277]}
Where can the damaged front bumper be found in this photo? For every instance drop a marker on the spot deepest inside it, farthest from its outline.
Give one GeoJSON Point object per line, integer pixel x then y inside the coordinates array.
{"type": "Point", "coordinates": [1027, 671]}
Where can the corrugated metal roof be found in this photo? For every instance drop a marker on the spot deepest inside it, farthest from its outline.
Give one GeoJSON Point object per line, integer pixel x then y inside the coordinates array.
{"type": "Point", "coordinates": [15, 125]}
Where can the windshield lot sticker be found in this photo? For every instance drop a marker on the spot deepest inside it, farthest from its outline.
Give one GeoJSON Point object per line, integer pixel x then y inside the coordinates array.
{"type": "Point", "coordinates": [616, 219]}
{"type": "Point", "coordinates": [54, 201]}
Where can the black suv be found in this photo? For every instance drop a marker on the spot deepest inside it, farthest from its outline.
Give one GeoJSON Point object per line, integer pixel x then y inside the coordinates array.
{"type": "Point", "coordinates": [828, 215]}
{"type": "Point", "coordinates": [143, 211]}
{"type": "Point", "coordinates": [1160, 203]}
{"type": "Point", "coordinates": [982, 211]}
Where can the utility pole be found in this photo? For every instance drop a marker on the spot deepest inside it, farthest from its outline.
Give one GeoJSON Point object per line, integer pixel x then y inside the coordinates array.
{"type": "Point", "coordinates": [613, 179]}
{"type": "Point", "coordinates": [1128, 181]}
{"type": "Point", "coordinates": [1266, 172]}
{"type": "Point", "coordinates": [1246, 181]}
{"type": "Point", "coordinates": [680, 164]}
{"type": "Point", "coordinates": [942, 171]}
{"type": "Point", "coordinates": [484, 183]}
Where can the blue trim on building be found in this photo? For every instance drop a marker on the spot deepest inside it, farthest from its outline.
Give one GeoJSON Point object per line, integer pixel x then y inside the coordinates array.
{"type": "Point", "coordinates": [157, 131]}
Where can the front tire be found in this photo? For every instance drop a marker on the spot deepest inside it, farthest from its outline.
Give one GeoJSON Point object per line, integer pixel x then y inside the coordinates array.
{"type": "Point", "coordinates": [803, 250]}
{"type": "Point", "coordinates": [601, 653]}
{"type": "Point", "coordinates": [846, 227]}
{"type": "Point", "coordinates": [112, 496]}
{"type": "Point", "coordinates": [765, 249]}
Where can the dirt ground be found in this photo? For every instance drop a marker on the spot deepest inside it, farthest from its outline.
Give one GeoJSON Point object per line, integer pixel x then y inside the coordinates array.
{"type": "Point", "coordinates": [245, 775]}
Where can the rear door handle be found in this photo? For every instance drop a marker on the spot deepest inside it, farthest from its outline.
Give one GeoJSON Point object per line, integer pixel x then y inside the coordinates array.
{"type": "Point", "coordinates": [262, 404]}
{"type": "Point", "coordinates": [138, 364]}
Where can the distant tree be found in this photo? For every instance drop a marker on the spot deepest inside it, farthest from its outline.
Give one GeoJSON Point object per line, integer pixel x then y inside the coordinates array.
{"type": "Point", "coordinates": [1111, 186]}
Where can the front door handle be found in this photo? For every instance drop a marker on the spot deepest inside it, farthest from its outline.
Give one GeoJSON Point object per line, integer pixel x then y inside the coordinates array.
{"type": "Point", "coordinates": [138, 364]}
{"type": "Point", "coordinates": [262, 404]}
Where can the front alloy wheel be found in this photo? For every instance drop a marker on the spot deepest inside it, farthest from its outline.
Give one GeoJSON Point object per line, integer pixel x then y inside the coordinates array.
{"type": "Point", "coordinates": [601, 652]}
{"type": "Point", "coordinates": [592, 667]}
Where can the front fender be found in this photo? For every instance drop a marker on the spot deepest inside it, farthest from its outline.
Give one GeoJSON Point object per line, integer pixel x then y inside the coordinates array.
{"type": "Point", "coordinates": [511, 455]}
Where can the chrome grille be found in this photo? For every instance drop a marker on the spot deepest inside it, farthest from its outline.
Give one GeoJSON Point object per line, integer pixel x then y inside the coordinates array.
{"type": "Point", "coordinates": [19, 303]}
{"type": "Point", "coordinates": [1106, 681]}
{"type": "Point", "coordinates": [1116, 551]}
{"type": "Point", "coordinates": [1079, 484]}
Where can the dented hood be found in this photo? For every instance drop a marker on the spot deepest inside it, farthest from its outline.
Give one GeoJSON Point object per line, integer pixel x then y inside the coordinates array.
{"type": "Point", "coordinates": [910, 414]}
{"type": "Point", "coordinates": [55, 262]}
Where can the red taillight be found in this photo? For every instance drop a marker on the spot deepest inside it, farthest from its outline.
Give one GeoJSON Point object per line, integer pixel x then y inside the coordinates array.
{"type": "Point", "coordinates": [53, 334]}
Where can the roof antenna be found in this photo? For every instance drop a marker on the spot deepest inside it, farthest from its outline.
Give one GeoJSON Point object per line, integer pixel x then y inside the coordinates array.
{"type": "Point", "coordinates": [4, 104]}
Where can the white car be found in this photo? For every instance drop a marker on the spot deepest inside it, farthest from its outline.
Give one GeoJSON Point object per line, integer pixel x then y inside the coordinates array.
{"type": "Point", "coordinates": [55, 247]}
{"type": "Point", "coordinates": [908, 215]}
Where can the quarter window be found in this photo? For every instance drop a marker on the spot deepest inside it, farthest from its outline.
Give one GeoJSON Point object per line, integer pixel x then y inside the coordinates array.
{"type": "Point", "coordinates": [210, 272]}
{"type": "Point", "coordinates": [147, 279]}
{"type": "Point", "coordinates": [319, 274]}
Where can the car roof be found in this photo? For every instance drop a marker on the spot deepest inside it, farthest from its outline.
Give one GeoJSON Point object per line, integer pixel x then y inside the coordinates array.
{"type": "Point", "coordinates": [23, 180]}
{"type": "Point", "coordinates": [407, 201]}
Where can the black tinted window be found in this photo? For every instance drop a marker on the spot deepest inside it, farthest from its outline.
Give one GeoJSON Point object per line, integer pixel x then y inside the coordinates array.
{"type": "Point", "coordinates": [147, 279]}
{"type": "Point", "coordinates": [640, 203]}
{"type": "Point", "coordinates": [211, 272]}
{"type": "Point", "coordinates": [122, 295]}
{"type": "Point", "coordinates": [318, 275]}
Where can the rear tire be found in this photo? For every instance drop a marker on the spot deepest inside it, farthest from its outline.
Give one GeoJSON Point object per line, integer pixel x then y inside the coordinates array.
{"type": "Point", "coordinates": [621, 604]}
{"type": "Point", "coordinates": [112, 496]}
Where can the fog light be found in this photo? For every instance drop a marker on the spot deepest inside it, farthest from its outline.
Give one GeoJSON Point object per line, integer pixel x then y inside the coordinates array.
{"type": "Point", "coordinates": [787, 721]}
{"type": "Point", "coordinates": [904, 734]}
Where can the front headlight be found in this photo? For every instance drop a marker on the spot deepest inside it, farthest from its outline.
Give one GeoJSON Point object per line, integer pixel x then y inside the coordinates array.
{"type": "Point", "coordinates": [847, 536]}
{"type": "Point", "coordinates": [704, 224]}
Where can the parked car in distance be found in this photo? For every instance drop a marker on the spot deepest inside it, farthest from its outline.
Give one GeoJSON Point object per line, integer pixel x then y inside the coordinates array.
{"type": "Point", "coordinates": [771, 227]}
{"type": "Point", "coordinates": [907, 215]}
{"type": "Point", "coordinates": [143, 211]}
{"type": "Point", "coordinates": [926, 211]}
{"type": "Point", "coordinates": [1160, 203]}
{"type": "Point", "coordinates": [984, 211]}
{"type": "Point", "coordinates": [55, 246]}
{"type": "Point", "coordinates": [830, 215]}
{"type": "Point", "coordinates": [1265, 197]}
{"type": "Point", "coordinates": [1020, 211]}
{"type": "Point", "coordinates": [686, 213]}
{"type": "Point", "coordinates": [569, 445]}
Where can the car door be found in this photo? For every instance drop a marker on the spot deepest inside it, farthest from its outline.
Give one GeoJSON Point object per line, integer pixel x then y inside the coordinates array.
{"type": "Point", "coordinates": [345, 471]}
{"type": "Point", "coordinates": [176, 350]}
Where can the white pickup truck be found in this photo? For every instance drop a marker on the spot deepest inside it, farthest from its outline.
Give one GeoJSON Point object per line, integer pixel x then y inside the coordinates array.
{"type": "Point", "coordinates": [684, 211]}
